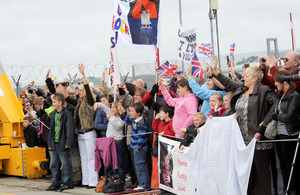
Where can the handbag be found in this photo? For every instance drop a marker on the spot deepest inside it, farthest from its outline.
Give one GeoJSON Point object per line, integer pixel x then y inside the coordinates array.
{"type": "Point", "coordinates": [100, 184]}
{"type": "Point", "coordinates": [113, 184]}
{"type": "Point", "coordinates": [271, 129]}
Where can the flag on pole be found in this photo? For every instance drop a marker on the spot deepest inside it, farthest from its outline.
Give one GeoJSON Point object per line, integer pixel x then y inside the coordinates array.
{"type": "Point", "coordinates": [167, 69]}
{"type": "Point", "coordinates": [157, 55]}
{"type": "Point", "coordinates": [232, 48]}
{"type": "Point", "coordinates": [197, 70]}
{"type": "Point", "coordinates": [206, 49]}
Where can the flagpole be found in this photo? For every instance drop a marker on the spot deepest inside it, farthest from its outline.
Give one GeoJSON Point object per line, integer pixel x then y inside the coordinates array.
{"type": "Point", "coordinates": [180, 21]}
{"type": "Point", "coordinates": [213, 9]}
{"type": "Point", "coordinates": [292, 33]}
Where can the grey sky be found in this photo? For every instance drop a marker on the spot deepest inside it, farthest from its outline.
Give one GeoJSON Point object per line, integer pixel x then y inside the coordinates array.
{"type": "Point", "coordinates": [49, 32]}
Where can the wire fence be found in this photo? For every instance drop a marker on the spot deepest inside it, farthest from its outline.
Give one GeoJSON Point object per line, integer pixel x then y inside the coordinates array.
{"type": "Point", "coordinates": [138, 69]}
{"type": "Point", "coordinates": [37, 73]}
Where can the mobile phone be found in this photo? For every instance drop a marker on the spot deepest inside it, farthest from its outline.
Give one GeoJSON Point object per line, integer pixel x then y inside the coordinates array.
{"type": "Point", "coordinates": [228, 63]}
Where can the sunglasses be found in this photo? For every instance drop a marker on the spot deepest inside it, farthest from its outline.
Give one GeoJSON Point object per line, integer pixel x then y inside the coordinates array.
{"type": "Point", "coordinates": [286, 59]}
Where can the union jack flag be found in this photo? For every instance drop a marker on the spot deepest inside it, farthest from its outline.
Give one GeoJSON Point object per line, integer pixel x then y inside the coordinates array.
{"type": "Point", "coordinates": [197, 70]}
{"type": "Point", "coordinates": [157, 55]}
{"type": "Point", "coordinates": [167, 69]}
{"type": "Point", "coordinates": [206, 49]}
{"type": "Point", "coordinates": [232, 48]}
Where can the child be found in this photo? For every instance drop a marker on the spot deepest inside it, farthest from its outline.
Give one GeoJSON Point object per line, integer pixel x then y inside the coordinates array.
{"type": "Point", "coordinates": [115, 129]}
{"type": "Point", "coordinates": [101, 121]}
{"type": "Point", "coordinates": [191, 132]}
{"type": "Point", "coordinates": [30, 133]}
{"type": "Point", "coordinates": [185, 106]}
{"type": "Point", "coordinates": [226, 101]}
{"type": "Point", "coordinates": [215, 103]}
{"type": "Point", "coordinates": [164, 126]}
{"type": "Point", "coordinates": [139, 144]}
{"type": "Point", "coordinates": [60, 140]}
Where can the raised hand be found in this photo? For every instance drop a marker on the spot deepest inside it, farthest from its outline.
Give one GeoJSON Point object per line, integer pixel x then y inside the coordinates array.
{"type": "Point", "coordinates": [47, 75]}
{"type": "Point", "coordinates": [95, 106]}
{"type": "Point", "coordinates": [189, 72]}
{"type": "Point", "coordinates": [214, 64]}
{"type": "Point", "coordinates": [160, 83]}
{"type": "Point", "coordinates": [262, 61]}
{"type": "Point", "coordinates": [271, 61]}
{"type": "Point", "coordinates": [81, 68]}
{"type": "Point", "coordinates": [73, 79]}
{"type": "Point", "coordinates": [208, 70]}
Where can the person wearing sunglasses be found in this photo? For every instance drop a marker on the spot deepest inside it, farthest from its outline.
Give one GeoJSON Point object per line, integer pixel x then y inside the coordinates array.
{"type": "Point", "coordinates": [291, 65]}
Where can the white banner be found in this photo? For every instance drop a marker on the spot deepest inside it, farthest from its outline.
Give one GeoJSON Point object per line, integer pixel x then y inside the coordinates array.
{"type": "Point", "coordinates": [174, 175]}
{"type": "Point", "coordinates": [220, 161]}
{"type": "Point", "coordinates": [134, 27]}
{"type": "Point", "coordinates": [113, 71]}
{"type": "Point", "coordinates": [187, 43]}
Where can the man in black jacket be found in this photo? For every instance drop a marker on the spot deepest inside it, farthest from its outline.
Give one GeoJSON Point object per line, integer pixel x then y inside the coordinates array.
{"type": "Point", "coordinates": [60, 140]}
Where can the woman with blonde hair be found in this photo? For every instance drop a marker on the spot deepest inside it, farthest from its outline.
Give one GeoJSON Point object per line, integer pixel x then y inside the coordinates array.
{"type": "Point", "coordinates": [84, 123]}
{"type": "Point", "coordinates": [251, 102]}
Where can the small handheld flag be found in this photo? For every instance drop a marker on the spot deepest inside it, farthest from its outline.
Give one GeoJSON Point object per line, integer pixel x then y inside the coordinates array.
{"type": "Point", "coordinates": [197, 70]}
{"type": "Point", "coordinates": [206, 49]}
{"type": "Point", "coordinates": [232, 48]}
{"type": "Point", "coordinates": [167, 69]}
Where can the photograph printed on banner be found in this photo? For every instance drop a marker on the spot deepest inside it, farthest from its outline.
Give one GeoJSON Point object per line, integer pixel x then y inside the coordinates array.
{"type": "Point", "coordinates": [166, 164]}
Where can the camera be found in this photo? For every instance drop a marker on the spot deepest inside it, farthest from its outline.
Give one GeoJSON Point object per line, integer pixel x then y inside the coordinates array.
{"type": "Point", "coordinates": [289, 78]}
{"type": "Point", "coordinates": [263, 59]}
{"type": "Point", "coordinates": [166, 82]}
{"type": "Point", "coordinates": [65, 84]}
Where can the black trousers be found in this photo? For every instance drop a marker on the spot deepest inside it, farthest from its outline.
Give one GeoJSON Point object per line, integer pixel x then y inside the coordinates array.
{"type": "Point", "coordinates": [260, 176]}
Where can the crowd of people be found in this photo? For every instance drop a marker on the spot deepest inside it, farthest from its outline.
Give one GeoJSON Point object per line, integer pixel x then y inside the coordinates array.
{"type": "Point", "coordinates": [88, 133]}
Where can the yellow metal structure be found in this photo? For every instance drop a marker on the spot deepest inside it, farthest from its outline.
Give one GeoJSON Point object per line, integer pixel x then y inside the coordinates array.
{"type": "Point", "coordinates": [13, 160]}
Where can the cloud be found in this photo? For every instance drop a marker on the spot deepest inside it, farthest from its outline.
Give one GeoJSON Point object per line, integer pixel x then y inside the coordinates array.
{"type": "Point", "coordinates": [74, 31]}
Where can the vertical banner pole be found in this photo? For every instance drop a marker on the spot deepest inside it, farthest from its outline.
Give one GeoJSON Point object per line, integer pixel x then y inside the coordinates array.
{"type": "Point", "coordinates": [180, 21]}
{"type": "Point", "coordinates": [292, 32]}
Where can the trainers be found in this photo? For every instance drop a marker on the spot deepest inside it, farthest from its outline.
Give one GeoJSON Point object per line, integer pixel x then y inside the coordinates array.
{"type": "Point", "coordinates": [139, 188]}
{"type": "Point", "coordinates": [66, 187]}
{"type": "Point", "coordinates": [52, 188]}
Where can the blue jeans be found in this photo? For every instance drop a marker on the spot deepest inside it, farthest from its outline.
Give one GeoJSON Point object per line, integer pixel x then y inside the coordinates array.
{"type": "Point", "coordinates": [140, 161]}
{"type": "Point", "coordinates": [120, 146]}
{"type": "Point", "coordinates": [61, 158]}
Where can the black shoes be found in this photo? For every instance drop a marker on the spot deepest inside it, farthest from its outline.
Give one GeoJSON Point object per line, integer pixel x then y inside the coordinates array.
{"type": "Point", "coordinates": [52, 188]}
{"type": "Point", "coordinates": [66, 187]}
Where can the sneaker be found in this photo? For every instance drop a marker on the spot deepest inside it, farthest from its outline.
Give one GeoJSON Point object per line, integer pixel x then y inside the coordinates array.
{"type": "Point", "coordinates": [52, 188]}
{"type": "Point", "coordinates": [66, 187]}
{"type": "Point", "coordinates": [139, 188]}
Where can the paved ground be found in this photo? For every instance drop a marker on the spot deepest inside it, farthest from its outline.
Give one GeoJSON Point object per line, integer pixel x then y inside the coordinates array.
{"type": "Point", "coordinates": [23, 186]}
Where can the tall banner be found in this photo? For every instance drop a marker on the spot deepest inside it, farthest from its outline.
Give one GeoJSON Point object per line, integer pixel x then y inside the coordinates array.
{"type": "Point", "coordinates": [174, 175]}
{"type": "Point", "coordinates": [217, 162]}
{"type": "Point", "coordinates": [135, 23]}
{"type": "Point", "coordinates": [113, 71]}
{"type": "Point", "coordinates": [187, 43]}
{"type": "Point", "coordinates": [219, 159]}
